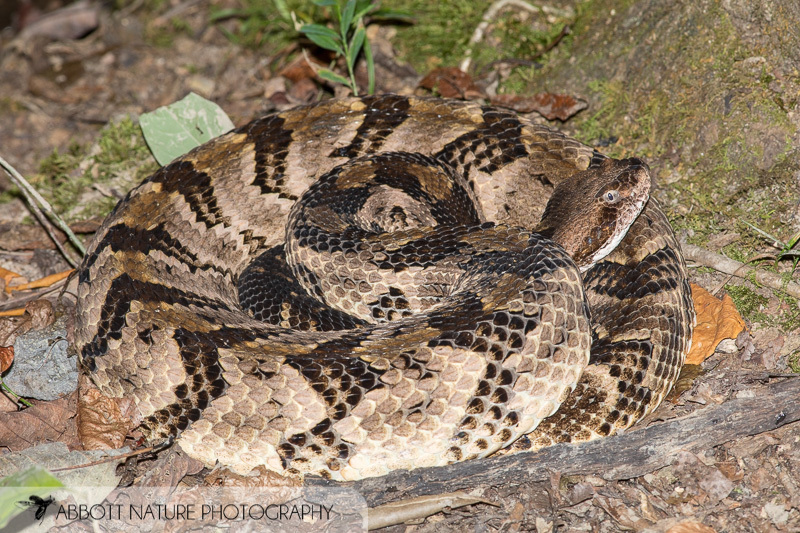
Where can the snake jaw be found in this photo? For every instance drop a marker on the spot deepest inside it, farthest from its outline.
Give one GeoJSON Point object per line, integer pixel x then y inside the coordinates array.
{"type": "Point", "coordinates": [630, 203]}
{"type": "Point", "coordinates": [591, 212]}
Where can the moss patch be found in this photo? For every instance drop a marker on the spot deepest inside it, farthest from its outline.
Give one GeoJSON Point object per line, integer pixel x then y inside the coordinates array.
{"type": "Point", "coordinates": [441, 33]}
{"type": "Point", "coordinates": [70, 180]}
{"type": "Point", "coordinates": [756, 308]}
{"type": "Point", "coordinates": [683, 87]}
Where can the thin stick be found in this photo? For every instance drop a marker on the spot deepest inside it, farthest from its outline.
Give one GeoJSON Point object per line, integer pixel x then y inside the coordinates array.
{"type": "Point", "coordinates": [35, 200]}
{"type": "Point", "coordinates": [106, 459]}
{"type": "Point", "coordinates": [727, 265]}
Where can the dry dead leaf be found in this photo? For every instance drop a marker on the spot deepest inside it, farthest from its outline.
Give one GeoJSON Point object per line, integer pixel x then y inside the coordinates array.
{"type": "Point", "coordinates": [451, 82]}
{"type": "Point", "coordinates": [703, 482]}
{"type": "Point", "coordinates": [44, 422]}
{"type": "Point", "coordinates": [101, 422]}
{"type": "Point", "coordinates": [621, 512]}
{"type": "Point", "coordinates": [42, 282]}
{"type": "Point", "coordinates": [303, 67]}
{"type": "Point", "coordinates": [7, 276]}
{"type": "Point", "coordinates": [169, 468]}
{"type": "Point", "coordinates": [38, 314]}
{"type": "Point", "coordinates": [550, 106]}
{"type": "Point", "coordinates": [71, 22]}
{"type": "Point", "coordinates": [6, 357]}
{"type": "Point", "coordinates": [19, 237]}
{"type": "Point", "coordinates": [716, 320]}
{"type": "Point", "coordinates": [690, 526]}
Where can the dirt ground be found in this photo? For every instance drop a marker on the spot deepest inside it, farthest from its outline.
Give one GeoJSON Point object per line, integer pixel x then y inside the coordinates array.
{"type": "Point", "coordinates": [61, 84]}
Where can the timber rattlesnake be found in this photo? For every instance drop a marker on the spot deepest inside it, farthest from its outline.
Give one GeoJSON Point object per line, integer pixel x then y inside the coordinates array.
{"type": "Point", "coordinates": [447, 339]}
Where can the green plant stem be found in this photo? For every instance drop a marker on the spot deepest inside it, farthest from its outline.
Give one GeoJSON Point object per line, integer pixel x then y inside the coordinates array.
{"type": "Point", "coordinates": [19, 398]}
{"type": "Point", "coordinates": [350, 72]}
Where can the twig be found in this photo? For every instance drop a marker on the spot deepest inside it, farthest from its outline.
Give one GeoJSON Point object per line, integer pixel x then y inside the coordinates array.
{"type": "Point", "coordinates": [729, 266]}
{"type": "Point", "coordinates": [107, 459]}
{"type": "Point", "coordinates": [35, 200]}
{"type": "Point", "coordinates": [492, 12]}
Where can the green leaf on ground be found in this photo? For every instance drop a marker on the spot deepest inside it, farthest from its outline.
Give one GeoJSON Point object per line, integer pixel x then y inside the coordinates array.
{"type": "Point", "coordinates": [172, 131]}
{"type": "Point", "coordinates": [35, 481]}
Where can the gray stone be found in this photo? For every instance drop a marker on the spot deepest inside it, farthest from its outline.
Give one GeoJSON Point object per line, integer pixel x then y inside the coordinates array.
{"type": "Point", "coordinates": [42, 369]}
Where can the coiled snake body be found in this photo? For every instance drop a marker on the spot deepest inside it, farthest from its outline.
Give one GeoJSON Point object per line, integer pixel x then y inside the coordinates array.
{"type": "Point", "coordinates": [397, 316]}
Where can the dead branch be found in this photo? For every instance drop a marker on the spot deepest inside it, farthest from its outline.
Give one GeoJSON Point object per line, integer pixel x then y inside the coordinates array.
{"type": "Point", "coordinates": [626, 456]}
{"type": "Point", "coordinates": [735, 268]}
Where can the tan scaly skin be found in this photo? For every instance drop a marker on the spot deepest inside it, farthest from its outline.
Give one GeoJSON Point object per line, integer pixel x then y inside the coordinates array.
{"type": "Point", "coordinates": [453, 337]}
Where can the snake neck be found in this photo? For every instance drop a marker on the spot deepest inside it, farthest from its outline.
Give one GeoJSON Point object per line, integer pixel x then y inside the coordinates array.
{"type": "Point", "coordinates": [591, 212]}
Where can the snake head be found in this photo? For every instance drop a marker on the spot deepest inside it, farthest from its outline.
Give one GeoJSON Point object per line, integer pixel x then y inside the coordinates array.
{"type": "Point", "coordinates": [591, 211]}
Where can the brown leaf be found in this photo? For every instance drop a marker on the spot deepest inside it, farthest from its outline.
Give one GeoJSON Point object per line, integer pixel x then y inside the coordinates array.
{"type": "Point", "coordinates": [44, 422]}
{"type": "Point", "coordinates": [17, 237]}
{"type": "Point", "coordinates": [550, 106]}
{"type": "Point", "coordinates": [38, 314]}
{"type": "Point", "coordinates": [621, 512]}
{"type": "Point", "coordinates": [450, 82]}
{"type": "Point", "coordinates": [7, 276]}
{"type": "Point", "coordinates": [303, 67]}
{"type": "Point", "coordinates": [101, 422]}
{"type": "Point", "coordinates": [168, 469]}
{"type": "Point", "coordinates": [700, 480]}
{"type": "Point", "coordinates": [304, 90]}
{"type": "Point", "coordinates": [690, 526]}
{"type": "Point", "coordinates": [6, 357]}
{"type": "Point", "coordinates": [89, 225]}
{"type": "Point", "coordinates": [716, 320]}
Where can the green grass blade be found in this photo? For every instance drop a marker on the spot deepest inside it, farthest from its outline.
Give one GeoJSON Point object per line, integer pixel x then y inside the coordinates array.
{"type": "Point", "coordinates": [355, 47]}
{"type": "Point", "coordinates": [318, 29]}
{"type": "Point", "coordinates": [347, 18]}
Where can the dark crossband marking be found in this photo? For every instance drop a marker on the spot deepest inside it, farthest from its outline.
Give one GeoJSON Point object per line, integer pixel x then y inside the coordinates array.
{"type": "Point", "coordinates": [125, 289]}
{"type": "Point", "coordinates": [382, 116]}
{"type": "Point", "coordinates": [655, 274]}
{"type": "Point", "coordinates": [272, 140]}
{"type": "Point", "coordinates": [197, 189]}
{"type": "Point", "coordinates": [270, 293]}
{"type": "Point", "coordinates": [597, 158]}
{"type": "Point", "coordinates": [491, 146]}
{"type": "Point", "coordinates": [121, 237]}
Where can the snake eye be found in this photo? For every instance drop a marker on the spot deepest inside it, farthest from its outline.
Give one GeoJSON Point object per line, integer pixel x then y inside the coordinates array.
{"type": "Point", "coordinates": [611, 197]}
